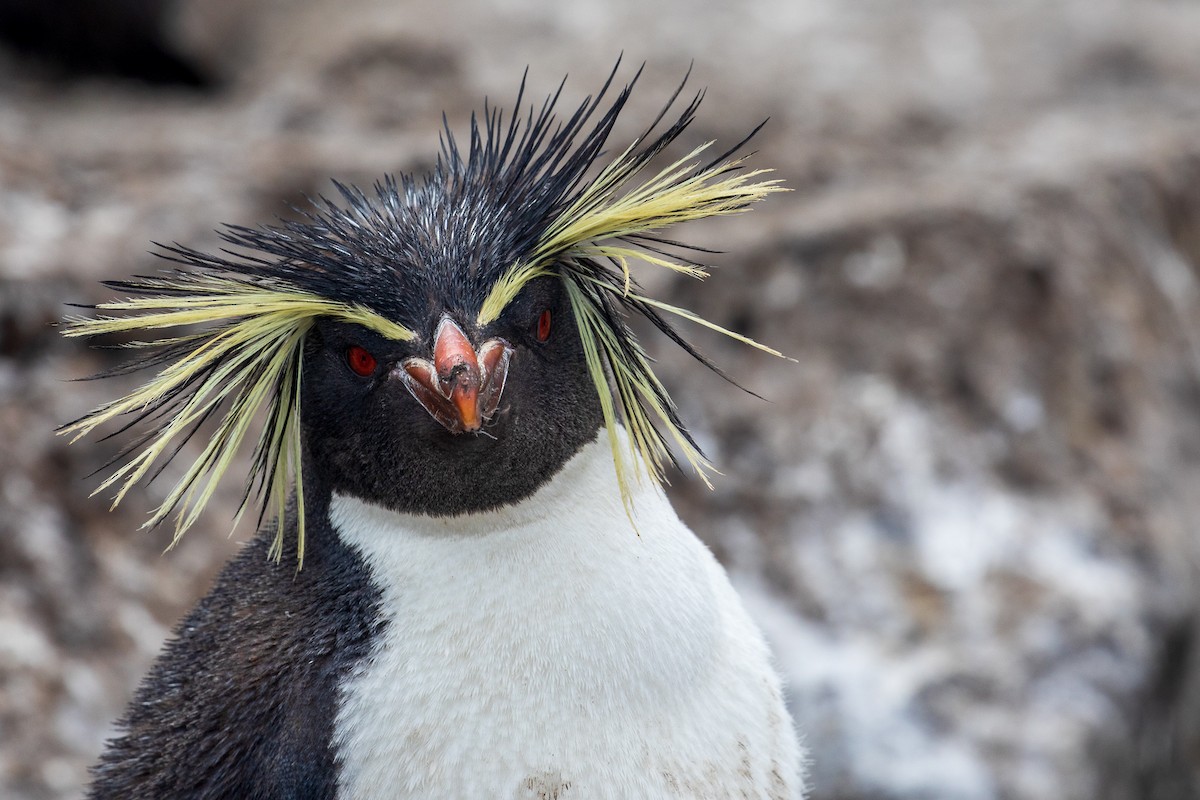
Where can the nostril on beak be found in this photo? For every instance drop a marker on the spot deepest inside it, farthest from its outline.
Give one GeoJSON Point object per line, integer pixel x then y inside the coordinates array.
{"type": "Point", "coordinates": [460, 376]}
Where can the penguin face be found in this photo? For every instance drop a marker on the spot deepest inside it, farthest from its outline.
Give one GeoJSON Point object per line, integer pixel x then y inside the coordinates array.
{"type": "Point", "coordinates": [374, 431]}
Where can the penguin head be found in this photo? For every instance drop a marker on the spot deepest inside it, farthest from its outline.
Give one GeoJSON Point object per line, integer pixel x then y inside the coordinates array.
{"type": "Point", "coordinates": [441, 344]}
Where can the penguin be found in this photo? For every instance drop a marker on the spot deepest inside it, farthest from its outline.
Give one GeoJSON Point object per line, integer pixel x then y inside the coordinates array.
{"type": "Point", "coordinates": [467, 580]}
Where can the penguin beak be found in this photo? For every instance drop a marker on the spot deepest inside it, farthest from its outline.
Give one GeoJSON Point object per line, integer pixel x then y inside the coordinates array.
{"type": "Point", "coordinates": [461, 387]}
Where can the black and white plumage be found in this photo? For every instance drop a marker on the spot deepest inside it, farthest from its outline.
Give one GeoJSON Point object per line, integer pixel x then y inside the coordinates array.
{"type": "Point", "coordinates": [462, 448]}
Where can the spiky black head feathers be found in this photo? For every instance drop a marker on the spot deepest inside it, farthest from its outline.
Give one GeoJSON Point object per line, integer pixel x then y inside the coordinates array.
{"type": "Point", "coordinates": [522, 200]}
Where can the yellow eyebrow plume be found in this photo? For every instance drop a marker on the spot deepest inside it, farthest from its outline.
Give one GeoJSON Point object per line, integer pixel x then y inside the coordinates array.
{"type": "Point", "coordinates": [246, 358]}
{"type": "Point", "coordinates": [598, 223]}
{"type": "Point", "coordinates": [603, 224]}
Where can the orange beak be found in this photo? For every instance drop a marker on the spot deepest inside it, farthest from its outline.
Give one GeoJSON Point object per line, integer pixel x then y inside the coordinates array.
{"type": "Point", "coordinates": [461, 388]}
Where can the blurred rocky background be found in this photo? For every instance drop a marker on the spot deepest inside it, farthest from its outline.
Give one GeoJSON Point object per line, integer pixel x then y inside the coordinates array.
{"type": "Point", "coordinates": [966, 518]}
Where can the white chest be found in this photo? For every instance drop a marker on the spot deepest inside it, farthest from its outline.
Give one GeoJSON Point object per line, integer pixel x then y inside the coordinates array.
{"type": "Point", "coordinates": [550, 651]}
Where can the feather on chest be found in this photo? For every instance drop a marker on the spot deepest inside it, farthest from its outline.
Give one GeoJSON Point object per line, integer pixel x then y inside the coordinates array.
{"type": "Point", "coordinates": [550, 648]}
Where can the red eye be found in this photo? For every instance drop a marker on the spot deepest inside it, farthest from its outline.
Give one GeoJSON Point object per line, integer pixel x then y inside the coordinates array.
{"type": "Point", "coordinates": [543, 326]}
{"type": "Point", "coordinates": [361, 361]}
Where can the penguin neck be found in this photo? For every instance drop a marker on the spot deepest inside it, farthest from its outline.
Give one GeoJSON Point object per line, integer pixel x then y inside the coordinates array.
{"type": "Point", "coordinates": [587, 483]}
